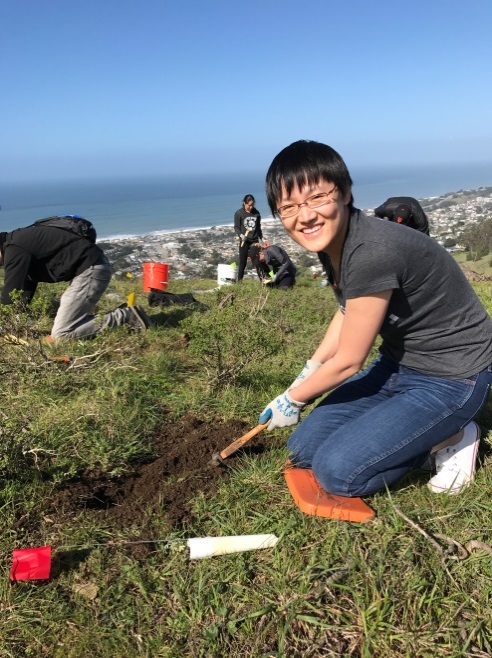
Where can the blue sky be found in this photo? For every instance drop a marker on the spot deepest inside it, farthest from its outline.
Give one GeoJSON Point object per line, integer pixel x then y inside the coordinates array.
{"type": "Point", "coordinates": [94, 88]}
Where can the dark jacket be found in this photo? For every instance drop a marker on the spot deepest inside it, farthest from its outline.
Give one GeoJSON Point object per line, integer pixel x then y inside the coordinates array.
{"type": "Point", "coordinates": [277, 259]}
{"type": "Point", "coordinates": [47, 254]}
{"type": "Point", "coordinates": [404, 210]}
{"type": "Point", "coordinates": [248, 224]}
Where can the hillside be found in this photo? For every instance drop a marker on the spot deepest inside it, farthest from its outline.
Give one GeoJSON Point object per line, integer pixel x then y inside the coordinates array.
{"type": "Point", "coordinates": [106, 458]}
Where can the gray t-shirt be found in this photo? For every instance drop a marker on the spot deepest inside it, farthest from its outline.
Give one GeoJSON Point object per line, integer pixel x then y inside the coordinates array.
{"type": "Point", "coordinates": [435, 323]}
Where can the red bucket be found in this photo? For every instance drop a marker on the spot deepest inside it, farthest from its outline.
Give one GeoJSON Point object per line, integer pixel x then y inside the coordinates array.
{"type": "Point", "coordinates": [155, 276]}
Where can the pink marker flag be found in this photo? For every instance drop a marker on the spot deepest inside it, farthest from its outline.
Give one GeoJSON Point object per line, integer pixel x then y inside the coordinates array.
{"type": "Point", "coordinates": [31, 563]}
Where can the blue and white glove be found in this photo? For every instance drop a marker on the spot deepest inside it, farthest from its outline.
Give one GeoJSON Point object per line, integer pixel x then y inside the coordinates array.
{"type": "Point", "coordinates": [309, 367]}
{"type": "Point", "coordinates": [282, 412]}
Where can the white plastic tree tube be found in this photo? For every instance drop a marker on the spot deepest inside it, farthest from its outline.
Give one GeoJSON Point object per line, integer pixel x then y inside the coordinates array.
{"type": "Point", "coordinates": [201, 547]}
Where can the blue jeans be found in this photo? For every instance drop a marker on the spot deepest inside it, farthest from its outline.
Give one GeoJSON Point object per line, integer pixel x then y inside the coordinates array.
{"type": "Point", "coordinates": [382, 423]}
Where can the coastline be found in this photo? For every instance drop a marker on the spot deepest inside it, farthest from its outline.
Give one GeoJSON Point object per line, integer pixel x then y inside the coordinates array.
{"type": "Point", "coordinates": [123, 209]}
{"type": "Point", "coordinates": [172, 231]}
{"type": "Point", "coordinates": [425, 201]}
{"type": "Point", "coordinates": [196, 252]}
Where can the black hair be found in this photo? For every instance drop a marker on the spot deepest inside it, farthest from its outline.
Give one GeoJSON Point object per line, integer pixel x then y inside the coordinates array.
{"type": "Point", "coordinates": [305, 162]}
{"type": "Point", "coordinates": [248, 198]}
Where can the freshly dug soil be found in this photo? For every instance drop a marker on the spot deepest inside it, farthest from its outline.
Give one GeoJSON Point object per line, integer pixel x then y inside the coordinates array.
{"type": "Point", "coordinates": [168, 482]}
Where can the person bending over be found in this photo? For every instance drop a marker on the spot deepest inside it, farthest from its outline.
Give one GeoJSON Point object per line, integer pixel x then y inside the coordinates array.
{"type": "Point", "coordinates": [247, 225]}
{"type": "Point", "coordinates": [50, 254]}
{"type": "Point", "coordinates": [404, 210]}
{"type": "Point", "coordinates": [254, 256]}
{"type": "Point", "coordinates": [434, 368]}
{"type": "Point", "coordinates": [281, 270]}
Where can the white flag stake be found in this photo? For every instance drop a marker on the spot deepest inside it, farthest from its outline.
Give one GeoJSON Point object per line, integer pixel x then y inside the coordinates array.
{"type": "Point", "coordinates": [201, 547]}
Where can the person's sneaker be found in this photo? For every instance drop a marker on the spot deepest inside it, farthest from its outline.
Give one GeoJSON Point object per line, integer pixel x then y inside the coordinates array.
{"type": "Point", "coordinates": [138, 318]}
{"type": "Point", "coordinates": [455, 465]}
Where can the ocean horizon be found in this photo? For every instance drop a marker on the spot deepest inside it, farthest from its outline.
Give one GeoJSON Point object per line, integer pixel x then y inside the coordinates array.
{"type": "Point", "coordinates": [121, 208]}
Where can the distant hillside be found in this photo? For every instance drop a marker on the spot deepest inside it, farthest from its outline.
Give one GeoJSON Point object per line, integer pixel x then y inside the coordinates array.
{"type": "Point", "coordinates": [477, 239]}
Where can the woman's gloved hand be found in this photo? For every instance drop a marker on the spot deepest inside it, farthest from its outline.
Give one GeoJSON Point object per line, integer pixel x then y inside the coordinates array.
{"type": "Point", "coordinates": [282, 412]}
{"type": "Point", "coordinates": [309, 367]}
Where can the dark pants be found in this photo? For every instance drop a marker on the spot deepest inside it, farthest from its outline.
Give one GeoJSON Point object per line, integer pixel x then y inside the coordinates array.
{"type": "Point", "coordinates": [285, 282]}
{"type": "Point", "coordinates": [244, 248]}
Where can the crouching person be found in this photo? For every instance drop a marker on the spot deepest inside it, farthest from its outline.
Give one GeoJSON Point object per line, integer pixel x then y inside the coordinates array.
{"type": "Point", "coordinates": [404, 210]}
{"type": "Point", "coordinates": [282, 271]}
{"type": "Point", "coordinates": [46, 252]}
{"type": "Point", "coordinates": [419, 398]}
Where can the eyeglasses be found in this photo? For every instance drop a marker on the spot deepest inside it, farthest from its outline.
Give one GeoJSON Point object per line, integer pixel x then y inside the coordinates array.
{"type": "Point", "coordinates": [315, 201]}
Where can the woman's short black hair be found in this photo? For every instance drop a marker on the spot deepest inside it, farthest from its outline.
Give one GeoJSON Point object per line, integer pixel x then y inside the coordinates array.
{"type": "Point", "coordinates": [248, 198]}
{"type": "Point", "coordinates": [305, 162]}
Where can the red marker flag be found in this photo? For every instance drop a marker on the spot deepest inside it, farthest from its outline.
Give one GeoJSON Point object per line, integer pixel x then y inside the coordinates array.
{"type": "Point", "coordinates": [31, 563]}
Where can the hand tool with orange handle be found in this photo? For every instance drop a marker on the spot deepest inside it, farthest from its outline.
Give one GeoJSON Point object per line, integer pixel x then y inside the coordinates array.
{"type": "Point", "coordinates": [219, 457]}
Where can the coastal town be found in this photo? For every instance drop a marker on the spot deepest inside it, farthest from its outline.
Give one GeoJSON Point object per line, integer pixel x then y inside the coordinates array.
{"type": "Point", "coordinates": [196, 253]}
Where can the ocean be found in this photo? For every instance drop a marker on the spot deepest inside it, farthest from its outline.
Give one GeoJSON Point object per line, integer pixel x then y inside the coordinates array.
{"type": "Point", "coordinates": [123, 207]}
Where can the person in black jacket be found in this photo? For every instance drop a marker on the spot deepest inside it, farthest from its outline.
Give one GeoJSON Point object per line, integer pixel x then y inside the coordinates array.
{"type": "Point", "coordinates": [50, 254]}
{"type": "Point", "coordinates": [247, 225]}
{"type": "Point", "coordinates": [404, 210]}
{"type": "Point", "coordinates": [282, 271]}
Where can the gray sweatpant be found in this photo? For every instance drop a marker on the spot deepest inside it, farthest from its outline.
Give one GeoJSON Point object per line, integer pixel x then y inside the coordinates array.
{"type": "Point", "coordinates": [75, 317]}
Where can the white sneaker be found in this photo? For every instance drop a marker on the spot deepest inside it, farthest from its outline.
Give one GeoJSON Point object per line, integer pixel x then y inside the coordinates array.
{"type": "Point", "coordinates": [455, 465]}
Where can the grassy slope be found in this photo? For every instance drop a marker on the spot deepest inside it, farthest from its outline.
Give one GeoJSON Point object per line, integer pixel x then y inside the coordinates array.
{"type": "Point", "coordinates": [481, 266]}
{"type": "Point", "coordinates": [328, 589]}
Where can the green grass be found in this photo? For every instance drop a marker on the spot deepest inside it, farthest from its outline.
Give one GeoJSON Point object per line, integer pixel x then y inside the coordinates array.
{"type": "Point", "coordinates": [481, 266]}
{"type": "Point", "coordinates": [328, 589]}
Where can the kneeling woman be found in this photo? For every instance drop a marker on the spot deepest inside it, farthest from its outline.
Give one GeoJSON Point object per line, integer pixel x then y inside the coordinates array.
{"type": "Point", "coordinates": [434, 370]}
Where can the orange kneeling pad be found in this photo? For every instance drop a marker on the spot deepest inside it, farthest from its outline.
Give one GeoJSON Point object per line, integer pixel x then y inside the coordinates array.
{"type": "Point", "coordinates": [312, 499]}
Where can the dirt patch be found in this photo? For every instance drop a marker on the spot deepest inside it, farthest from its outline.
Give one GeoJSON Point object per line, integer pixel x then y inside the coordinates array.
{"type": "Point", "coordinates": [167, 483]}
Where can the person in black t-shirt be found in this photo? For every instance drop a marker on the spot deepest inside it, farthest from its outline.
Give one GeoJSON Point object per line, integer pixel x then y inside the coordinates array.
{"type": "Point", "coordinates": [418, 399]}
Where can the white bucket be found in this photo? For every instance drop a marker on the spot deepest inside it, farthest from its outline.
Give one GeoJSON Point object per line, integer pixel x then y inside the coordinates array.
{"type": "Point", "coordinates": [201, 547]}
{"type": "Point", "coordinates": [226, 274]}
